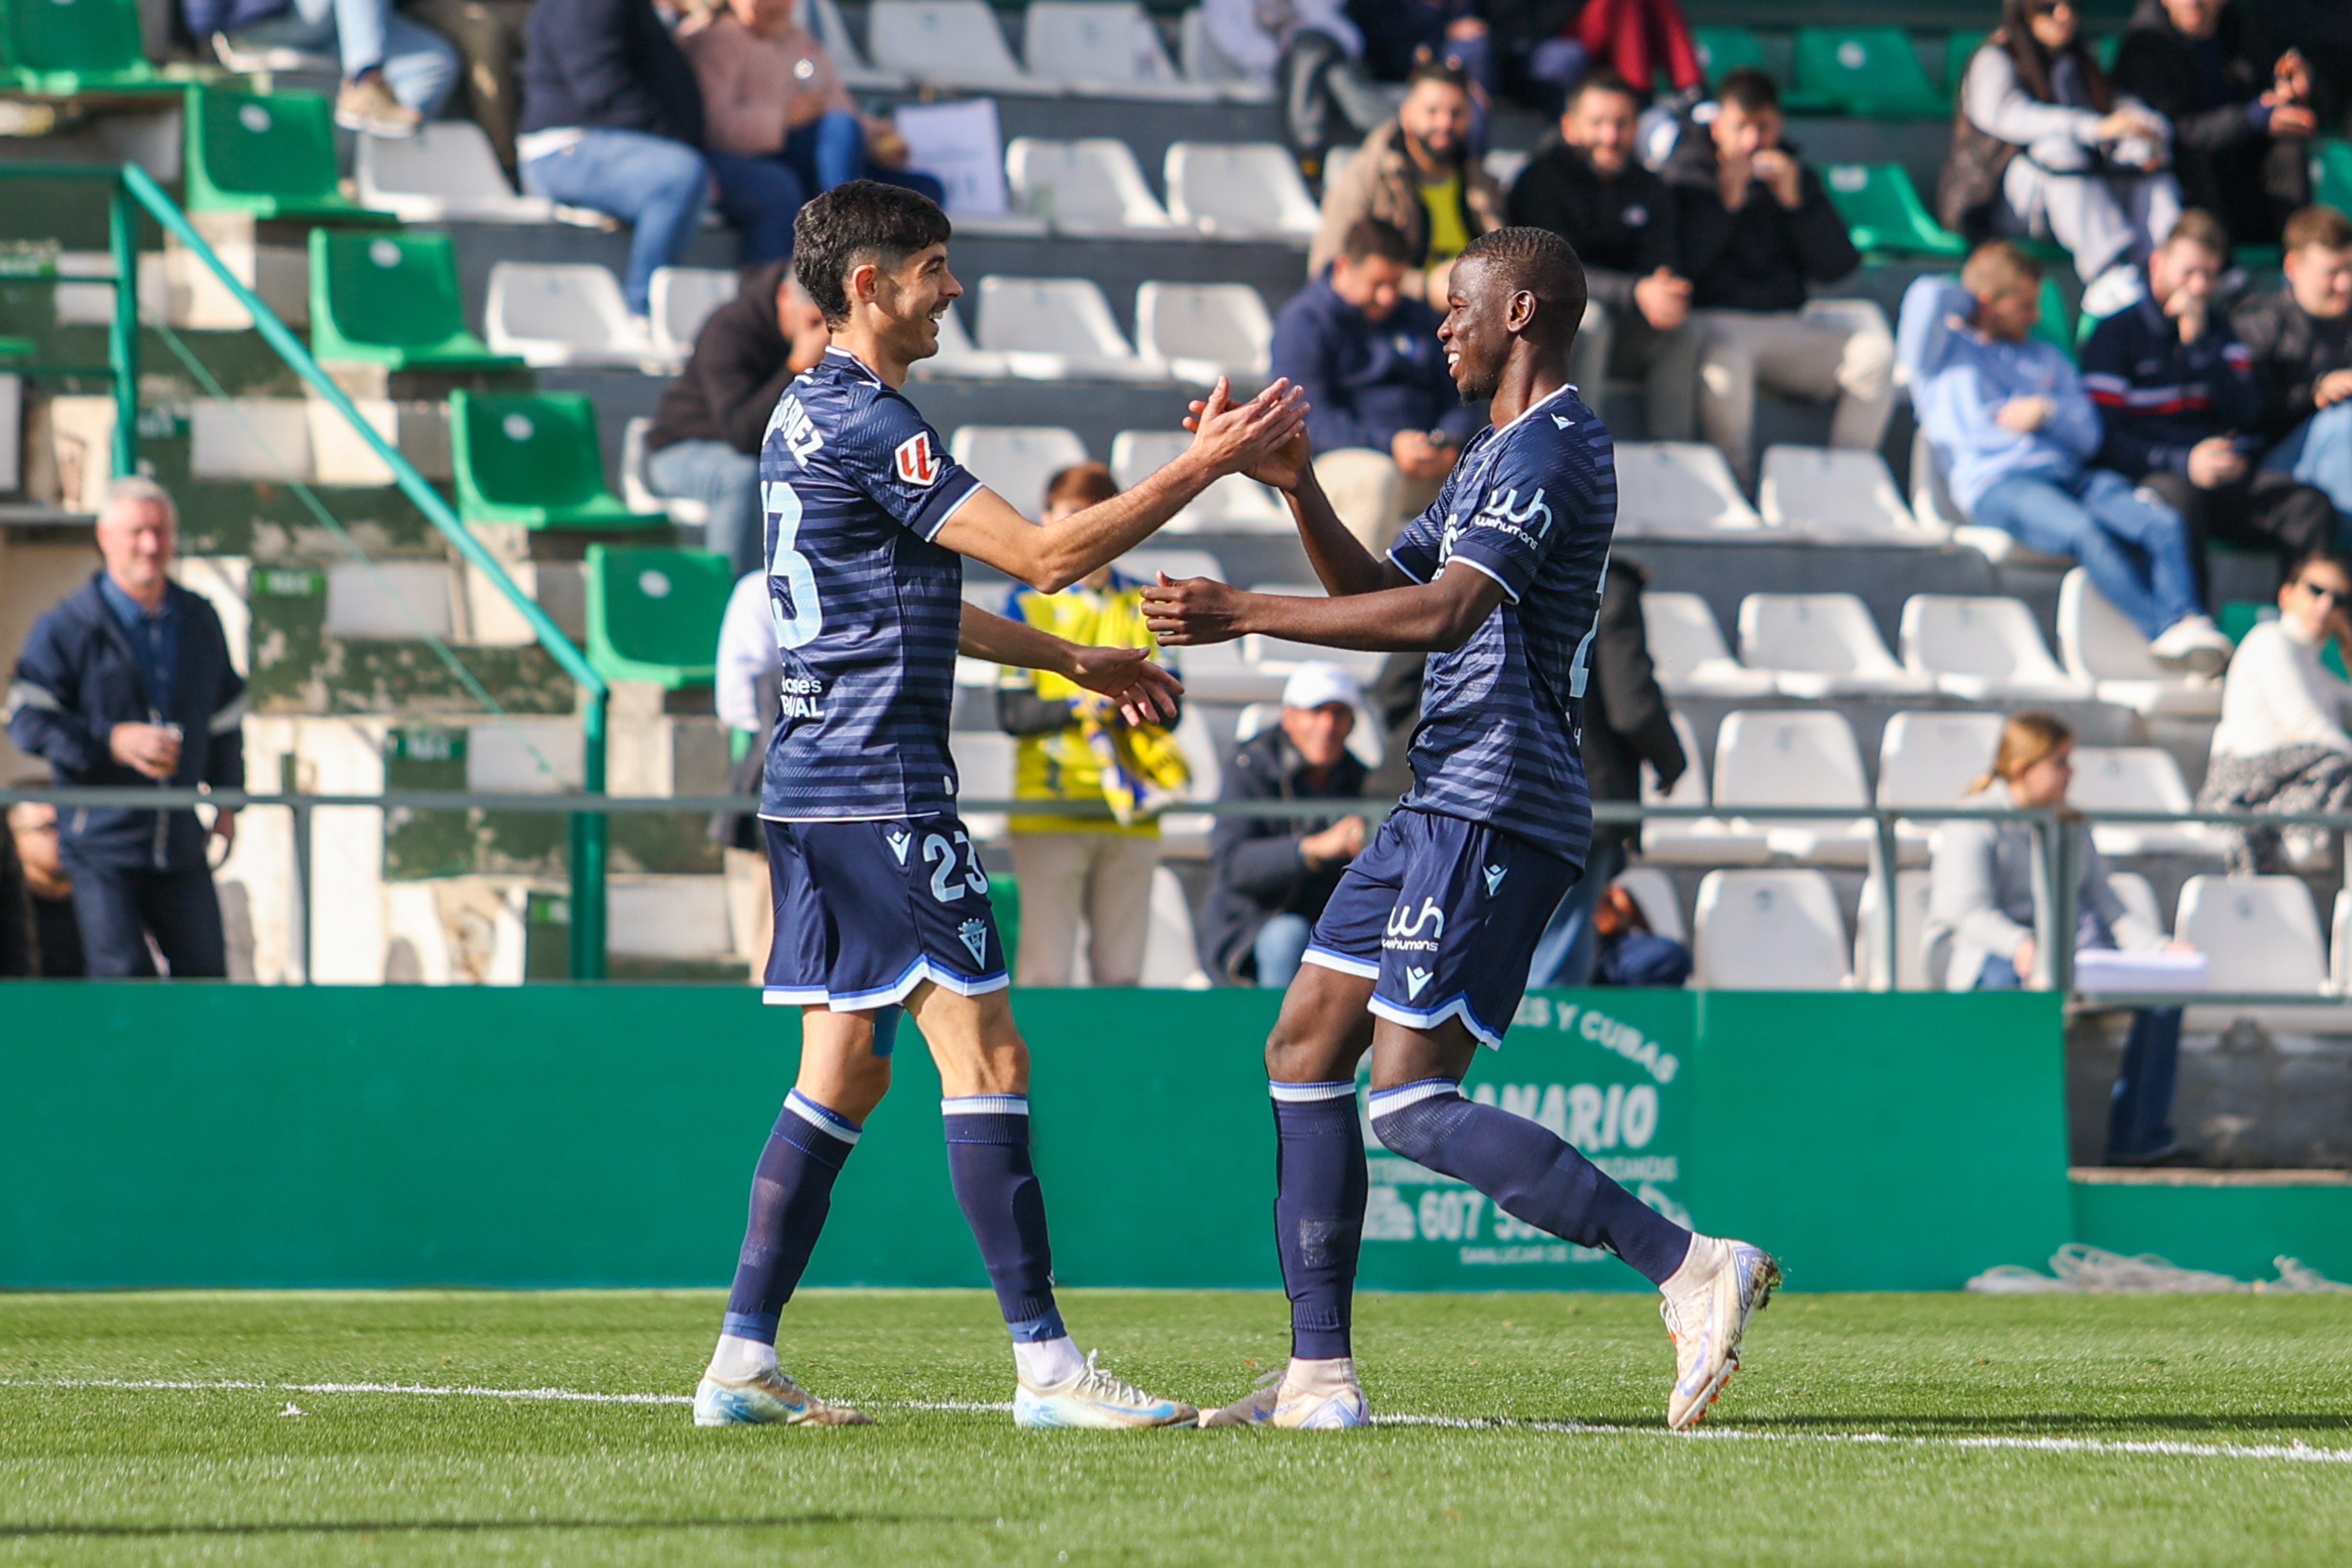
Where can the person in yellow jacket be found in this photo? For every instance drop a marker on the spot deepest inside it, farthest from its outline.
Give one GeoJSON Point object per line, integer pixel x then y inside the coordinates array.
{"type": "Point", "coordinates": [1074, 746]}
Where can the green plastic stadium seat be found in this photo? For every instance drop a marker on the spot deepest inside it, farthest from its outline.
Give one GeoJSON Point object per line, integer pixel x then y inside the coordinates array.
{"type": "Point", "coordinates": [531, 458]}
{"type": "Point", "coordinates": [67, 46]}
{"type": "Point", "coordinates": [2331, 176]}
{"type": "Point", "coordinates": [391, 300]}
{"type": "Point", "coordinates": [1722, 49]}
{"type": "Point", "coordinates": [272, 155]}
{"type": "Point", "coordinates": [652, 614]}
{"type": "Point", "coordinates": [2106, 49]}
{"type": "Point", "coordinates": [2057, 326]}
{"type": "Point", "coordinates": [1958, 50]}
{"type": "Point", "coordinates": [1868, 71]}
{"type": "Point", "coordinates": [1883, 213]}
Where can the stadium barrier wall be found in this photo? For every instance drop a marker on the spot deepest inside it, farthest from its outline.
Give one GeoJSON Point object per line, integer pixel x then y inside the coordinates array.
{"type": "Point", "coordinates": [574, 1135]}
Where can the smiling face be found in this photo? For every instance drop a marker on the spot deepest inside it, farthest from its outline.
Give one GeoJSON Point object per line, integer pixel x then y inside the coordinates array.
{"type": "Point", "coordinates": [135, 537]}
{"type": "Point", "coordinates": [1319, 733]}
{"type": "Point", "coordinates": [908, 301]}
{"type": "Point", "coordinates": [1476, 331]}
{"type": "Point", "coordinates": [1602, 123]}
{"type": "Point", "coordinates": [1436, 116]}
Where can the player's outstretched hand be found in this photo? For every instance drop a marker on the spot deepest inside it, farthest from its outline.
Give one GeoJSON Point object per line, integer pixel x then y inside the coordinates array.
{"type": "Point", "coordinates": [1285, 470]}
{"type": "Point", "coordinates": [1145, 692]}
{"type": "Point", "coordinates": [1233, 437]}
{"type": "Point", "coordinates": [1195, 611]}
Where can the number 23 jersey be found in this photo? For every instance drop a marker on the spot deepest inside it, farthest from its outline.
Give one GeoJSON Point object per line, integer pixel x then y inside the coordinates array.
{"type": "Point", "coordinates": [853, 490]}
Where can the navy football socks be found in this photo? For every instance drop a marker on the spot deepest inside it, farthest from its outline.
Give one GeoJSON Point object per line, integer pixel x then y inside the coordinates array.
{"type": "Point", "coordinates": [1530, 1173]}
{"type": "Point", "coordinates": [792, 1189]}
{"type": "Point", "coordinates": [1318, 1211]}
{"type": "Point", "coordinates": [996, 1186]}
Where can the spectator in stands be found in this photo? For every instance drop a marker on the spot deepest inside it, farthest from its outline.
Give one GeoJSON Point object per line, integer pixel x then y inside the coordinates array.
{"type": "Point", "coordinates": [748, 701]}
{"type": "Point", "coordinates": [780, 125]}
{"type": "Point", "coordinates": [38, 934]}
{"type": "Point", "coordinates": [489, 37]}
{"type": "Point", "coordinates": [2044, 144]}
{"type": "Point", "coordinates": [705, 442]}
{"type": "Point", "coordinates": [1588, 188]}
{"type": "Point", "coordinates": [395, 73]}
{"type": "Point", "coordinates": [1387, 419]}
{"type": "Point", "coordinates": [2176, 394]}
{"type": "Point", "coordinates": [1985, 903]}
{"type": "Point", "coordinates": [1642, 40]}
{"type": "Point", "coordinates": [2241, 121]}
{"type": "Point", "coordinates": [2301, 340]}
{"type": "Point", "coordinates": [2280, 745]}
{"type": "Point", "coordinates": [1415, 172]}
{"type": "Point", "coordinates": [1754, 229]}
{"type": "Point", "coordinates": [612, 120]}
{"type": "Point", "coordinates": [129, 682]}
{"type": "Point", "coordinates": [1270, 876]}
{"type": "Point", "coordinates": [1074, 746]}
{"type": "Point", "coordinates": [2011, 423]}
{"type": "Point", "coordinates": [1314, 56]}
{"type": "Point", "coordinates": [2321, 32]}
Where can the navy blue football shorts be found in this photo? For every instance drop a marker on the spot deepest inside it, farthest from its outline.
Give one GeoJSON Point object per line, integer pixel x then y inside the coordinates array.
{"type": "Point", "coordinates": [1443, 915]}
{"type": "Point", "coordinates": [866, 911]}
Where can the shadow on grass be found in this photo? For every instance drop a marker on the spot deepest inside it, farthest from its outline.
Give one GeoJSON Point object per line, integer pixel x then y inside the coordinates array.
{"type": "Point", "coordinates": [476, 1526]}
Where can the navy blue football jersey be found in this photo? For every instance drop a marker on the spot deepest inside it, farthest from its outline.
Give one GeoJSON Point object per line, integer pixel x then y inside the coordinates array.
{"type": "Point", "coordinates": [855, 488]}
{"type": "Point", "coordinates": [1531, 504]}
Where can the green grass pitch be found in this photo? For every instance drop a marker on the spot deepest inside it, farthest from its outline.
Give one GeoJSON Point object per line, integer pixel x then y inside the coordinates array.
{"type": "Point", "coordinates": [1886, 1429]}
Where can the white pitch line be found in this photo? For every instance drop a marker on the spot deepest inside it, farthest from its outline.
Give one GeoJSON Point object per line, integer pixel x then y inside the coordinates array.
{"type": "Point", "coordinates": [2296, 1452]}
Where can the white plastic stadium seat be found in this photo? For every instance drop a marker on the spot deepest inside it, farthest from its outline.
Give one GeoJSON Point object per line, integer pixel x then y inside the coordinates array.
{"type": "Point", "coordinates": [1503, 164]}
{"type": "Point", "coordinates": [1930, 759]}
{"type": "Point", "coordinates": [638, 494]}
{"type": "Point", "coordinates": [1239, 189]}
{"type": "Point", "coordinates": [1821, 645]}
{"type": "Point", "coordinates": [1688, 649]}
{"type": "Point", "coordinates": [2137, 778]}
{"type": "Point", "coordinates": [1694, 841]}
{"type": "Point", "coordinates": [1203, 330]}
{"type": "Point", "coordinates": [1147, 562]}
{"type": "Point", "coordinates": [1202, 63]}
{"type": "Point", "coordinates": [1278, 654]}
{"type": "Point", "coordinates": [1057, 329]}
{"type": "Point", "coordinates": [1836, 496]}
{"type": "Point", "coordinates": [446, 173]}
{"type": "Point", "coordinates": [1652, 892]}
{"type": "Point", "coordinates": [1983, 649]}
{"type": "Point", "coordinates": [1091, 186]}
{"type": "Point", "coordinates": [2339, 943]}
{"type": "Point", "coordinates": [1795, 757]}
{"type": "Point", "coordinates": [1677, 489]}
{"type": "Point", "coordinates": [681, 300]}
{"type": "Point", "coordinates": [1912, 889]}
{"type": "Point", "coordinates": [1106, 48]}
{"type": "Point", "coordinates": [823, 18]}
{"type": "Point", "coordinates": [1768, 930]}
{"type": "Point", "coordinates": [555, 314]}
{"type": "Point", "coordinates": [1017, 461]}
{"type": "Point", "coordinates": [984, 763]}
{"type": "Point", "coordinates": [2257, 933]}
{"type": "Point", "coordinates": [2137, 896]}
{"type": "Point", "coordinates": [958, 360]}
{"type": "Point", "coordinates": [952, 42]}
{"type": "Point", "coordinates": [1231, 505]}
{"type": "Point", "coordinates": [2101, 647]}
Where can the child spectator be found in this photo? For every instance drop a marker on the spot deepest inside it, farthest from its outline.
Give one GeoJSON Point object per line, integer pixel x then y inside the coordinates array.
{"type": "Point", "coordinates": [2301, 340]}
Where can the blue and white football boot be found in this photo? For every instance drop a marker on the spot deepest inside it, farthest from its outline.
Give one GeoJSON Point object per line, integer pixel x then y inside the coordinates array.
{"type": "Point", "coordinates": [1706, 1321]}
{"type": "Point", "coordinates": [1095, 1400]}
{"type": "Point", "coordinates": [770, 1398]}
{"type": "Point", "coordinates": [1277, 1403]}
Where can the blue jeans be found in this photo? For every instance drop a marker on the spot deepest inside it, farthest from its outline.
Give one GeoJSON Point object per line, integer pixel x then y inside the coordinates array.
{"type": "Point", "coordinates": [2318, 452]}
{"type": "Point", "coordinates": [2140, 1112]}
{"type": "Point", "coordinates": [658, 185]}
{"type": "Point", "coordinates": [760, 196]}
{"type": "Point", "coordinates": [726, 481]}
{"type": "Point", "coordinates": [419, 65]}
{"type": "Point", "coordinates": [1281, 945]}
{"type": "Point", "coordinates": [1566, 951]}
{"type": "Point", "coordinates": [119, 908]}
{"type": "Point", "coordinates": [2135, 547]}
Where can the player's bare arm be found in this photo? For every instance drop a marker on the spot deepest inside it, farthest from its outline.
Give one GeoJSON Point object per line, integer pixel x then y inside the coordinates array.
{"type": "Point", "coordinates": [1146, 692]}
{"type": "Point", "coordinates": [1411, 617]}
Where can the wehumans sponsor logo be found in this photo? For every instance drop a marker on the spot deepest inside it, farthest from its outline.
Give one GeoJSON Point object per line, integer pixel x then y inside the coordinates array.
{"type": "Point", "coordinates": [1503, 511]}
{"type": "Point", "coordinates": [1404, 935]}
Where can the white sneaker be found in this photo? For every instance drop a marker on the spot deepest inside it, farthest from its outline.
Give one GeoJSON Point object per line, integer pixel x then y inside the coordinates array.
{"type": "Point", "coordinates": [771, 1398]}
{"type": "Point", "coordinates": [1096, 1400]}
{"type": "Point", "coordinates": [1706, 1322]}
{"type": "Point", "coordinates": [2119, 288]}
{"type": "Point", "coordinates": [1275, 1403]}
{"type": "Point", "coordinates": [2192, 644]}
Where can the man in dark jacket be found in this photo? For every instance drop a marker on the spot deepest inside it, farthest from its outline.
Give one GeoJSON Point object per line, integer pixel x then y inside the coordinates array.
{"type": "Point", "coordinates": [1754, 227]}
{"type": "Point", "coordinates": [705, 443]}
{"type": "Point", "coordinates": [1387, 419]}
{"type": "Point", "coordinates": [612, 120]}
{"type": "Point", "coordinates": [1590, 189]}
{"type": "Point", "coordinates": [1272, 876]}
{"type": "Point", "coordinates": [2239, 144]}
{"type": "Point", "coordinates": [2301, 340]}
{"type": "Point", "coordinates": [129, 682]}
{"type": "Point", "coordinates": [2176, 394]}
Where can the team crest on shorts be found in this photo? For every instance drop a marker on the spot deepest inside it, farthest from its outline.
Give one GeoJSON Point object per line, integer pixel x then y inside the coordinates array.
{"type": "Point", "coordinates": [974, 935]}
{"type": "Point", "coordinates": [915, 462]}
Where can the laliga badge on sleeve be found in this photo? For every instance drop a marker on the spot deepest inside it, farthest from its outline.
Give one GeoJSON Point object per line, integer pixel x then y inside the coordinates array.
{"type": "Point", "coordinates": [916, 464]}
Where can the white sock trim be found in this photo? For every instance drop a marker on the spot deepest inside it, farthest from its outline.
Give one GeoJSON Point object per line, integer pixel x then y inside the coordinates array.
{"type": "Point", "coordinates": [1309, 1093]}
{"type": "Point", "coordinates": [985, 1105]}
{"type": "Point", "coordinates": [830, 1122]}
{"type": "Point", "coordinates": [1388, 1101]}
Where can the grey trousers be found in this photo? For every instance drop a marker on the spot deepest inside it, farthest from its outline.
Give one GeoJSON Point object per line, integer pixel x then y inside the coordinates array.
{"type": "Point", "coordinates": [1666, 363]}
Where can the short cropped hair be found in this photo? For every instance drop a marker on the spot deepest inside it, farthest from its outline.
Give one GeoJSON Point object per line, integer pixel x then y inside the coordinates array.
{"type": "Point", "coordinates": [1371, 236]}
{"type": "Point", "coordinates": [135, 489]}
{"type": "Point", "coordinates": [1452, 75]}
{"type": "Point", "coordinates": [1999, 264]}
{"type": "Point", "coordinates": [1750, 88]}
{"type": "Point", "coordinates": [2199, 227]}
{"type": "Point", "coordinates": [2324, 226]}
{"type": "Point", "coordinates": [1603, 80]}
{"type": "Point", "coordinates": [1089, 484]}
{"type": "Point", "coordinates": [1538, 261]}
{"type": "Point", "coordinates": [852, 224]}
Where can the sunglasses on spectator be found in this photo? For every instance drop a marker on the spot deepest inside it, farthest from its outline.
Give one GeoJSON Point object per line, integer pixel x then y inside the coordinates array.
{"type": "Point", "coordinates": [2340, 598]}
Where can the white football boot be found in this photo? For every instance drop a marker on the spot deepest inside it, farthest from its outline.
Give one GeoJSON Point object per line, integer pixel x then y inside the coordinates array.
{"type": "Point", "coordinates": [1275, 1402]}
{"type": "Point", "coordinates": [1096, 1400]}
{"type": "Point", "coordinates": [769, 1398]}
{"type": "Point", "coordinates": [1705, 1319]}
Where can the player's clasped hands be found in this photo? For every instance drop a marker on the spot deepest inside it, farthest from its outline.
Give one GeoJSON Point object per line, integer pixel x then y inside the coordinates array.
{"type": "Point", "coordinates": [1144, 692]}
{"type": "Point", "coordinates": [1238, 438]}
{"type": "Point", "coordinates": [1195, 611]}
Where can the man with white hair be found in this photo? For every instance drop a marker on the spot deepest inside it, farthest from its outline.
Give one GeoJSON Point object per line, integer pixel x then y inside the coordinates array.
{"type": "Point", "coordinates": [129, 682]}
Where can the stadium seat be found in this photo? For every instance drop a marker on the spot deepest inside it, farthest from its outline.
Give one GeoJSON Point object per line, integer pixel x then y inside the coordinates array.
{"type": "Point", "coordinates": [1238, 190]}
{"type": "Point", "coordinates": [958, 360]}
{"type": "Point", "coordinates": [1870, 72]}
{"type": "Point", "coordinates": [391, 300]}
{"type": "Point", "coordinates": [2331, 167]}
{"type": "Point", "coordinates": [551, 315]}
{"type": "Point", "coordinates": [1768, 930]}
{"type": "Point", "coordinates": [531, 458]}
{"type": "Point", "coordinates": [1678, 489]}
{"type": "Point", "coordinates": [1203, 330]}
{"type": "Point", "coordinates": [1795, 757]}
{"type": "Point", "coordinates": [1930, 759]}
{"type": "Point", "coordinates": [1722, 49]}
{"type": "Point", "coordinates": [2137, 778]}
{"type": "Point", "coordinates": [652, 614]}
{"type": "Point", "coordinates": [1057, 329]}
{"type": "Point", "coordinates": [2137, 896]}
{"type": "Point", "coordinates": [2103, 648]}
{"type": "Point", "coordinates": [1689, 652]}
{"type": "Point", "coordinates": [1103, 48]}
{"type": "Point", "coordinates": [2257, 933]}
{"type": "Point", "coordinates": [1503, 164]}
{"type": "Point", "coordinates": [1282, 657]}
{"type": "Point", "coordinates": [638, 495]}
{"type": "Point", "coordinates": [1835, 495]}
{"type": "Point", "coordinates": [1233, 505]}
{"type": "Point", "coordinates": [824, 19]}
{"type": "Point", "coordinates": [447, 173]}
{"type": "Point", "coordinates": [2057, 325]}
{"type": "Point", "coordinates": [1960, 47]}
{"type": "Point", "coordinates": [1203, 62]}
{"type": "Point", "coordinates": [1145, 564]}
{"type": "Point", "coordinates": [1017, 461]}
{"type": "Point", "coordinates": [1692, 840]}
{"type": "Point", "coordinates": [1652, 892]}
{"type": "Point", "coordinates": [681, 299]}
{"type": "Point", "coordinates": [984, 764]}
{"type": "Point", "coordinates": [63, 48]}
{"type": "Point", "coordinates": [949, 42]}
{"type": "Point", "coordinates": [1883, 215]}
{"type": "Point", "coordinates": [1982, 651]}
{"type": "Point", "coordinates": [1820, 645]}
{"type": "Point", "coordinates": [1091, 186]}
{"type": "Point", "coordinates": [1912, 889]}
{"type": "Point", "coordinates": [270, 155]}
